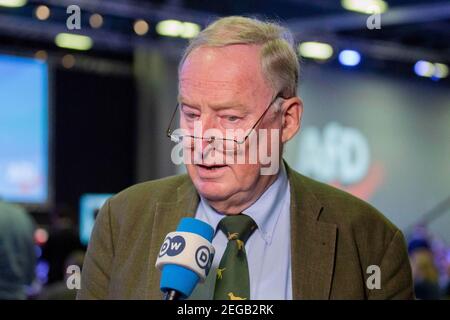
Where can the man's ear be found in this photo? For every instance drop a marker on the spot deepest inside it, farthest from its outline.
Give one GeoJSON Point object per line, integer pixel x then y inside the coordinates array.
{"type": "Point", "coordinates": [292, 110]}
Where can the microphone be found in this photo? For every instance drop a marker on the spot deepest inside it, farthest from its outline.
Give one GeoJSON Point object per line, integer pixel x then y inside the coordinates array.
{"type": "Point", "coordinates": [185, 258]}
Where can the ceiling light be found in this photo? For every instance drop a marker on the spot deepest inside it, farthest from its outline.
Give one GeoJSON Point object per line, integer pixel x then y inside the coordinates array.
{"type": "Point", "coordinates": [315, 50]}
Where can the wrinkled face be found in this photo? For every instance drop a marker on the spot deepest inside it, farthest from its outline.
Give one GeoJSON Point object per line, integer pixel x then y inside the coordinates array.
{"type": "Point", "coordinates": [224, 88]}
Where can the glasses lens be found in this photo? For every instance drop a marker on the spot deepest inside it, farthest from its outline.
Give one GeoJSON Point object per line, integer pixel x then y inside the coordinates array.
{"type": "Point", "coordinates": [222, 145]}
{"type": "Point", "coordinates": [187, 141]}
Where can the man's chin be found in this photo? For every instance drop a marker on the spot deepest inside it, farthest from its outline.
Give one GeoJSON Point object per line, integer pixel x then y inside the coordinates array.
{"type": "Point", "coordinates": [211, 190]}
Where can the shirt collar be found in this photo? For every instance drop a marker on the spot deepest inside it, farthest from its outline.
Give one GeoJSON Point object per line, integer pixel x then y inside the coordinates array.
{"type": "Point", "coordinates": [265, 211]}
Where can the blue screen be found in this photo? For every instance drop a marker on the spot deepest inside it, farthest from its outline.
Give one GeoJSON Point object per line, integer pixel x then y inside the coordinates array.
{"type": "Point", "coordinates": [23, 130]}
{"type": "Point", "coordinates": [90, 205]}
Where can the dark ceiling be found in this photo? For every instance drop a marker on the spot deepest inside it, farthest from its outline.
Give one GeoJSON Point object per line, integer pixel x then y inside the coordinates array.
{"type": "Point", "coordinates": [410, 30]}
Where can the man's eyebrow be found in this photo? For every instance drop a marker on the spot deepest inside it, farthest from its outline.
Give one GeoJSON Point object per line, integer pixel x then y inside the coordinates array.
{"type": "Point", "coordinates": [229, 105]}
{"type": "Point", "coordinates": [215, 106]}
{"type": "Point", "coordinates": [181, 101]}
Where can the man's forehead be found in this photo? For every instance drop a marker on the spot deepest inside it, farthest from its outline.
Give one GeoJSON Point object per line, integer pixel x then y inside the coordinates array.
{"type": "Point", "coordinates": [222, 85]}
{"type": "Point", "coordinates": [244, 53]}
{"type": "Point", "coordinates": [220, 66]}
{"type": "Point", "coordinates": [218, 91]}
{"type": "Point", "coordinates": [222, 74]}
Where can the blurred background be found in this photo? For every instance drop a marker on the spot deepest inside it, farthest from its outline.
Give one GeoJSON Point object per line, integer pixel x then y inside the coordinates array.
{"type": "Point", "coordinates": [87, 89]}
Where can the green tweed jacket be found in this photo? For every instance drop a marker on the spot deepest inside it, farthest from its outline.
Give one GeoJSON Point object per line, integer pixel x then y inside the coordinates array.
{"type": "Point", "coordinates": [335, 237]}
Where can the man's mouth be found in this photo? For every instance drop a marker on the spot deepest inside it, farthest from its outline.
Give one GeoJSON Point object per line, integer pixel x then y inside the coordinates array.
{"type": "Point", "coordinates": [212, 167]}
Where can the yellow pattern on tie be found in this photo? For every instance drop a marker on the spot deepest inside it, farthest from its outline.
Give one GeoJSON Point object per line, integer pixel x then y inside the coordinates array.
{"type": "Point", "coordinates": [233, 297]}
{"type": "Point", "coordinates": [235, 283]}
{"type": "Point", "coordinates": [233, 236]}
{"type": "Point", "coordinates": [220, 273]}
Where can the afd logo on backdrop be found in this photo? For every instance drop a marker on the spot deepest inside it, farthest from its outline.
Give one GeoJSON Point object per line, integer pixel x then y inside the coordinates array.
{"type": "Point", "coordinates": [340, 156]}
{"type": "Point", "coordinates": [172, 246]}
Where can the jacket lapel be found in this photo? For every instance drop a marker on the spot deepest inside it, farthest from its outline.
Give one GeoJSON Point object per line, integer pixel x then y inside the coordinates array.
{"type": "Point", "coordinates": [312, 243]}
{"type": "Point", "coordinates": [167, 217]}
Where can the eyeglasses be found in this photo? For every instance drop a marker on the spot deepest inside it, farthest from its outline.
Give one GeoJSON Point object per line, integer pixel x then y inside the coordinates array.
{"type": "Point", "coordinates": [219, 144]}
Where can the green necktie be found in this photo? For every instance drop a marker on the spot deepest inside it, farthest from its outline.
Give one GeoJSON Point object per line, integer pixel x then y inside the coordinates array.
{"type": "Point", "coordinates": [232, 279]}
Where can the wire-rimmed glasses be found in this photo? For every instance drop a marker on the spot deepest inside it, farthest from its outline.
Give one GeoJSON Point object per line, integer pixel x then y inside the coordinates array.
{"type": "Point", "coordinates": [219, 144]}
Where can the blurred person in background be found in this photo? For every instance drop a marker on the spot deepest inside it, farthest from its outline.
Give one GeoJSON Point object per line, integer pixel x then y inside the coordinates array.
{"type": "Point", "coordinates": [63, 240]}
{"type": "Point", "coordinates": [425, 272]}
{"type": "Point", "coordinates": [17, 251]}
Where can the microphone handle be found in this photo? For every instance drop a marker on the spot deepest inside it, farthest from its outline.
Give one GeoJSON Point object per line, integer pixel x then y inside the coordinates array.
{"type": "Point", "coordinates": [172, 295]}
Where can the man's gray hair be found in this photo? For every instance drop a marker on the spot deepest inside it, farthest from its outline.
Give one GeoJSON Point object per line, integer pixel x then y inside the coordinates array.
{"type": "Point", "coordinates": [278, 58]}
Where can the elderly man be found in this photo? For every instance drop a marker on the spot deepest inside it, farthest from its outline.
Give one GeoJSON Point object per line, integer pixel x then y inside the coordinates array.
{"type": "Point", "coordinates": [298, 238]}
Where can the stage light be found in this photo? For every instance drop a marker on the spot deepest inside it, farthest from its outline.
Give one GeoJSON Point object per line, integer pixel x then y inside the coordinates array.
{"type": "Point", "coordinates": [42, 12]}
{"type": "Point", "coordinates": [349, 58]}
{"type": "Point", "coordinates": [40, 236]}
{"type": "Point", "coordinates": [73, 41]}
{"type": "Point", "coordinates": [38, 251]}
{"type": "Point", "coordinates": [424, 68]}
{"type": "Point", "coordinates": [42, 268]}
{"type": "Point", "coordinates": [141, 27]}
{"type": "Point", "coordinates": [41, 55]}
{"type": "Point", "coordinates": [365, 6]}
{"type": "Point", "coordinates": [440, 70]}
{"type": "Point", "coordinates": [315, 50]}
{"type": "Point", "coordinates": [190, 30]}
{"type": "Point", "coordinates": [13, 3]}
{"type": "Point", "coordinates": [96, 21]}
{"type": "Point", "coordinates": [175, 28]}
{"type": "Point", "coordinates": [169, 28]}
{"type": "Point", "coordinates": [68, 61]}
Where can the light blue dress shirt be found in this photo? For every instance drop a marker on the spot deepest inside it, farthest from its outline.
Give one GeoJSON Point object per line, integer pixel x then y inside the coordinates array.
{"type": "Point", "coordinates": [268, 248]}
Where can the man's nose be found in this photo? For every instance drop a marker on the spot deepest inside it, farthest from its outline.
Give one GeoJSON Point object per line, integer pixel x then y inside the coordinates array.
{"type": "Point", "coordinates": [208, 123]}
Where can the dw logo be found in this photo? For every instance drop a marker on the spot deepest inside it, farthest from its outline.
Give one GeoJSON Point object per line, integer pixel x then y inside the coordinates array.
{"type": "Point", "coordinates": [203, 258]}
{"type": "Point", "coordinates": [172, 246]}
